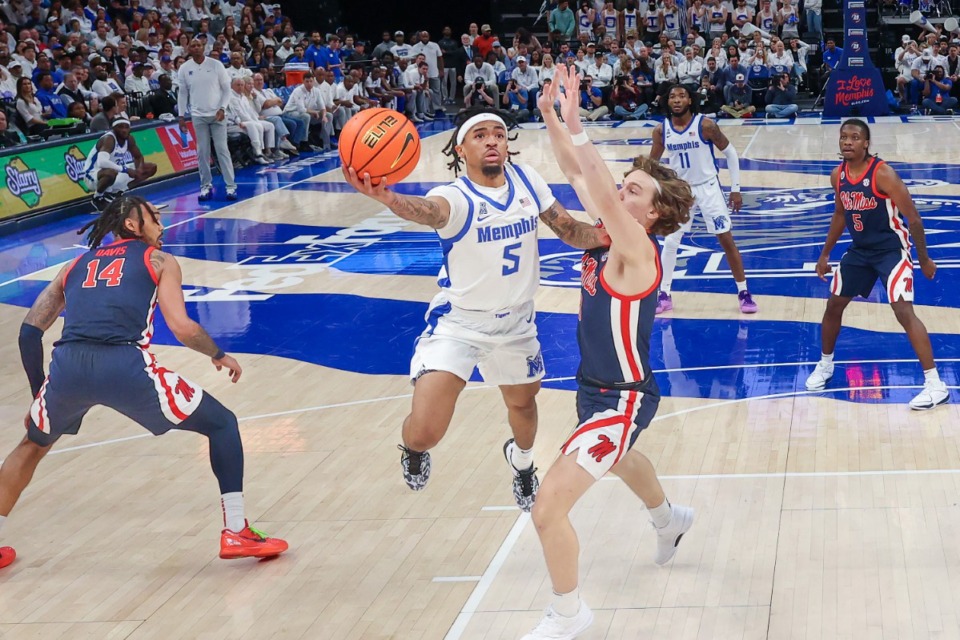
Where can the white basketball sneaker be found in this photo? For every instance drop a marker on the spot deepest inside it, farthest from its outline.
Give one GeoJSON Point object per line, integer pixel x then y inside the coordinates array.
{"type": "Point", "coordinates": [668, 538]}
{"type": "Point", "coordinates": [933, 394]}
{"type": "Point", "coordinates": [554, 626]}
{"type": "Point", "coordinates": [820, 377]}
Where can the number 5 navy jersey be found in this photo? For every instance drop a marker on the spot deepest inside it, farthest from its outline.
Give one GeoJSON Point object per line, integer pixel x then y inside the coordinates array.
{"type": "Point", "coordinates": [614, 330]}
{"type": "Point", "coordinates": [111, 294]}
{"type": "Point", "coordinates": [872, 218]}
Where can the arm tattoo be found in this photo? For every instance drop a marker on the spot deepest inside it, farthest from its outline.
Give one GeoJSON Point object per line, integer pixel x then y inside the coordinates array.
{"type": "Point", "coordinates": [156, 260]}
{"type": "Point", "coordinates": [578, 235]}
{"type": "Point", "coordinates": [419, 210]}
{"type": "Point", "coordinates": [201, 342]}
{"type": "Point", "coordinates": [47, 306]}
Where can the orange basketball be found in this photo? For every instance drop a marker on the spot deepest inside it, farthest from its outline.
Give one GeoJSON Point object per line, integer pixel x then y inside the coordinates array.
{"type": "Point", "coordinates": [380, 142]}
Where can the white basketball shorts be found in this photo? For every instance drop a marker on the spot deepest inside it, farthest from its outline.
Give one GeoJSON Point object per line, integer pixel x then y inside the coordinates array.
{"type": "Point", "coordinates": [502, 344]}
{"type": "Point", "coordinates": [710, 202]}
{"type": "Point", "coordinates": [121, 184]}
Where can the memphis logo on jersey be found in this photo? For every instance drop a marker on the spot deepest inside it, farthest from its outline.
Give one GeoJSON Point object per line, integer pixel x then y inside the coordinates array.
{"type": "Point", "coordinates": [515, 230]}
{"type": "Point", "coordinates": [857, 201]}
{"type": "Point", "coordinates": [687, 145]}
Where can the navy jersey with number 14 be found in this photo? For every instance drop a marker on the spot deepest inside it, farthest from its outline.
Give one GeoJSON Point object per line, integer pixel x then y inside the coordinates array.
{"type": "Point", "coordinates": [111, 295]}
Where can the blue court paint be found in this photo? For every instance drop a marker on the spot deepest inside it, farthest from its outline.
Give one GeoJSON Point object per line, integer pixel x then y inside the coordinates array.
{"type": "Point", "coordinates": [780, 232]}
{"type": "Point", "coordinates": [375, 336]}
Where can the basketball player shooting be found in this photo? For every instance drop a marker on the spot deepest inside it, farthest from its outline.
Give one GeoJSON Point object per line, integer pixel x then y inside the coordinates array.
{"type": "Point", "coordinates": [688, 141]}
{"type": "Point", "coordinates": [870, 200]}
{"type": "Point", "coordinates": [484, 314]}
{"type": "Point", "coordinates": [617, 394]}
{"type": "Point", "coordinates": [103, 357]}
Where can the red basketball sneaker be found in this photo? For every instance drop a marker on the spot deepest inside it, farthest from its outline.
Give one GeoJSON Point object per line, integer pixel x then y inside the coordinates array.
{"type": "Point", "coordinates": [248, 543]}
{"type": "Point", "coordinates": [7, 556]}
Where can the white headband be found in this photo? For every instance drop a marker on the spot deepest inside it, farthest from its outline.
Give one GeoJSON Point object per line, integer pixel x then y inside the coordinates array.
{"type": "Point", "coordinates": [656, 183]}
{"type": "Point", "coordinates": [474, 121]}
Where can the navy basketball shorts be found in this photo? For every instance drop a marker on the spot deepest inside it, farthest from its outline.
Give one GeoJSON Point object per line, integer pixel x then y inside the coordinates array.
{"type": "Point", "coordinates": [610, 421]}
{"type": "Point", "coordinates": [125, 378]}
{"type": "Point", "coordinates": [859, 270]}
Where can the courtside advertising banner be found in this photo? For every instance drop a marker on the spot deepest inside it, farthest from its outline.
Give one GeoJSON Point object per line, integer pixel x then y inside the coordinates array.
{"type": "Point", "coordinates": [52, 176]}
{"type": "Point", "coordinates": [855, 87]}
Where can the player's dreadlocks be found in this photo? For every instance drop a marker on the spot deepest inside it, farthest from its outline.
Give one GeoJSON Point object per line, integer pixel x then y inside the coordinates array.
{"type": "Point", "coordinates": [462, 116]}
{"type": "Point", "coordinates": [112, 218]}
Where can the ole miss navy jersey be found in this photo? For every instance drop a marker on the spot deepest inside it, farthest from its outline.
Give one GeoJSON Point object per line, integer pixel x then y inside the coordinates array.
{"type": "Point", "coordinates": [111, 295]}
{"type": "Point", "coordinates": [614, 330]}
{"type": "Point", "coordinates": [872, 218]}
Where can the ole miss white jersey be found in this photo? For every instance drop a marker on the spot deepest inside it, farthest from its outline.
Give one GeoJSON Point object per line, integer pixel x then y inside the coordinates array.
{"type": "Point", "coordinates": [688, 153]}
{"type": "Point", "coordinates": [490, 255]}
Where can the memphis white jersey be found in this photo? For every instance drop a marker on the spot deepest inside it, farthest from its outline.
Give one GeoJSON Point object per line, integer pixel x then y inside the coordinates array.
{"type": "Point", "coordinates": [671, 23]}
{"type": "Point", "coordinates": [609, 21]}
{"type": "Point", "coordinates": [120, 155]}
{"type": "Point", "coordinates": [688, 153]}
{"type": "Point", "coordinates": [631, 22]}
{"type": "Point", "coordinates": [766, 20]}
{"type": "Point", "coordinates": [651, 14]}
{"type": "Point", "coordinates": [490, 256]}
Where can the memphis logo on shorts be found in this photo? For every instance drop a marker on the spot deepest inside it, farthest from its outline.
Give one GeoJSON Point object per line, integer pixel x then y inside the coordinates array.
{"type": "Point", "coordinates": [535, 365]}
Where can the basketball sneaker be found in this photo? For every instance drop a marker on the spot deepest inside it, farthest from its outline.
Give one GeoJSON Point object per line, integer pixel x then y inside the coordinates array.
{"type": "Point", "coordinates": [100, 203]}
{"type": "Point", "coordinates": [668, 538]}
{"type": "Point", "coordinates": [205, 193]}
{"type": "Point", "coordinates": [7, 556]}
{"type": "Point", "coordinates": [554, 626]}
{"type": "Point", "coordinates": [822, 373]}
{"type": "Point", "coordinates": [416, 467]}
{"type": "Point", "coordinates": [232, 194]}
{"type": "Point", "coordinates": [664, 303]}
{"type": "Point", "coordinates": [249, 543]}
{"type": "Point", "coordinates": [933, 394]}
{"type": "Point", "coordinates": [747, 305]}
{"type": "Point", "coordinates": [525, 482]}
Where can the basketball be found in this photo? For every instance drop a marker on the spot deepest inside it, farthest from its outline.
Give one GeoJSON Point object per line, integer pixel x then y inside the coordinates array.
{"type": "Point", "coordinates": [380, 142]}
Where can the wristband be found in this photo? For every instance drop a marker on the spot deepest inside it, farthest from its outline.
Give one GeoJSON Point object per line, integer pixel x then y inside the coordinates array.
{"type": "Point", "coordinates": [580, 139]}
{"type": "Point", "coordinates": [219, 354]}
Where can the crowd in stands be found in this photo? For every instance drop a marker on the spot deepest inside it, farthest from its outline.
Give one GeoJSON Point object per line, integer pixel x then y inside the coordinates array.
{"type": "Point", "coordinates": [735, 56]}
{"type": "Point", "coordinates": [72, 65]}
{"type": "Point", "coordinates": [927, 72]}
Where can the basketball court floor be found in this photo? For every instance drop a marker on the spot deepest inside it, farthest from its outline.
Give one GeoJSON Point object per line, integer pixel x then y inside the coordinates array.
{"type": "Point", "coordinates": [819, 515]}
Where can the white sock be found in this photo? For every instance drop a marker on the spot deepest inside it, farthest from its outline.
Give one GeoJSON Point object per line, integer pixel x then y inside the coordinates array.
{"type": "Point", "coordinates": [826, 358]}
{"type": "Point", "coordinates": [661, 515]}
{"type": "Point", "coordinates": [668, 260]}
{"type": "Point", "coordinates": [930, 376]}
{"type": "Point", "coordinates": [234, 518]}
{"type": "Point", "coordinates": [741, 286]}
{"type": "Point", "coordinates": [521, 458]}
{"type": "Point", "coordinates": [567, 604]}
